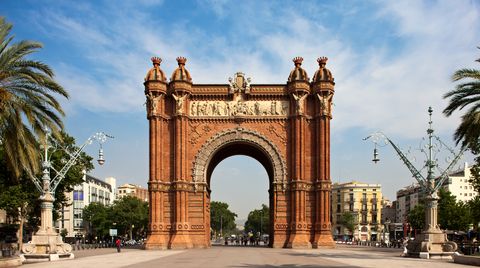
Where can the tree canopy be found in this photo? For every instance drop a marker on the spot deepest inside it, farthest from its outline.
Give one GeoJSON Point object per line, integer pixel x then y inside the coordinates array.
{"type": "Point", "coordinates": [129, 215]}
{"type": "Point", "coordinates": [452, 215]}
{"type": "Point", "coordinates": [467, 95]}
{"type": "Point", "coordinates": [348, 220]}
{"type": "Point", "coordinates": [221, 218]}
{"type": "Point", "coordinates": [258, 220]}
{"type": "Point", "coordinates": [28, 102]}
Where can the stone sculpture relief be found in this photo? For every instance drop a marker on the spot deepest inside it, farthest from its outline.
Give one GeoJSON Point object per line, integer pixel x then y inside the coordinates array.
{"type": "Point", "coordinates": [325, 103]}
{"type": "Point", "coordinates": [299, 102]}
{"type": "Point", "coordinates": [179, 101]}
{"type": "Point", "coordinates": [236, 108]}
{"type": "Point", "coordinates": [152, 102]}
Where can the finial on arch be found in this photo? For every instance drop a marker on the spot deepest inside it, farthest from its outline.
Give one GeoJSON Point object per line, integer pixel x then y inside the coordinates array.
{"type": "Point", "coordinates": [156, 60]}
{"type": "Point", "coordinates": [298, 60]}
{"type": "Point", "coordinates": [181, 60]}
{"type": "Point", "coordinates": [322, 60]}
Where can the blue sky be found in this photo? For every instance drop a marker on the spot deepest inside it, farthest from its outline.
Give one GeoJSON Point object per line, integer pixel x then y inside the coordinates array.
{"type": "Point", "coordinates": [390, 60]}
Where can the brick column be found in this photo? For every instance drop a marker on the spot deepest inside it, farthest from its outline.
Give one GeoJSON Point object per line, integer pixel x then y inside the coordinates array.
{"type": "Point", "coordinates": [158, 235]}
{"type": "Point", "coordinates": [323, 92]}
{"type": "Point", "coordinates": [299, 235]}
{"type": "Point", "coordinates": [181, 226]}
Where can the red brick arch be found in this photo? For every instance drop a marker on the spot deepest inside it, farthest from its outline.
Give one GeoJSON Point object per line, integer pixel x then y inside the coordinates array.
{"type": "Point", "coordinates": [193, 127]}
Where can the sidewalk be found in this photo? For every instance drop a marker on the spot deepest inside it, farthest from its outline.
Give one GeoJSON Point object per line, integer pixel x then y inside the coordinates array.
{"type": "Point", "coordinates": [253, 257]}
{"type": "Point", "coordinates": [122, 259]}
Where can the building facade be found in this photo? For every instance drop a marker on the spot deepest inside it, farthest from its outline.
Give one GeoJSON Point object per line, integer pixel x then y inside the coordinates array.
{"type": "Point", "coordinates": [458, 184]}
{"type": "Point", "coordinates": [90, 191]}
{"type": "Point", "coordinates": [407, 198]}
{"type": "Point", "coordinates": [364, 201]}
{"type": "Point", "coordinates": [129, 189]}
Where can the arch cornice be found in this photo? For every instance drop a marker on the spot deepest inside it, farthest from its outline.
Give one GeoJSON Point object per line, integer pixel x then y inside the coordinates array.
{"type": "Point", "coordinates": [239, 134]}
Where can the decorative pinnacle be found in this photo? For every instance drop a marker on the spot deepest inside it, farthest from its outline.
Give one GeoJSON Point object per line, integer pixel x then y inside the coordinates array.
{"type": "Point", "coordinates": [322, 60]}
{"type": "Point", "coordinates": [298, 60]}
{"type": "Point", "coordinates": [156, 60]}
{"type": "Point", "coordinates": [181, 60]}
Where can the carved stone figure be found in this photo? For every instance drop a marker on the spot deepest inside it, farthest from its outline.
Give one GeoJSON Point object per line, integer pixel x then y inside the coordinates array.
{"type": "Point", "coordinates": [325, 103]}
{"type": "Point", "coordinates": [179, 100]}
{"type": "Point", "coordinates": [152, 102]}
{"type": "Point", "coordinates": [299, 102]}
{"type": "Point", "coordinates": [233, 108]}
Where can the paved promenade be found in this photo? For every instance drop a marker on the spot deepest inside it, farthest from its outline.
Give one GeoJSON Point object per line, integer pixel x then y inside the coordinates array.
{"type": "Point", "coordinates": [251, 257]}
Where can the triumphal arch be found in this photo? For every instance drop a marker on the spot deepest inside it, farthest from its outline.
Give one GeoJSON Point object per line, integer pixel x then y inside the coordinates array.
{"type": "Point", "coordinates": [193, 127]}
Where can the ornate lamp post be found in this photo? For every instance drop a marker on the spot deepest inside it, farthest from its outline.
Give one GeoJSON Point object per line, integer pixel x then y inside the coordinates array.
{"type": "Point", "coordinates": [432, 241]}
{"type": "Point", "coordinates": [46, 240]}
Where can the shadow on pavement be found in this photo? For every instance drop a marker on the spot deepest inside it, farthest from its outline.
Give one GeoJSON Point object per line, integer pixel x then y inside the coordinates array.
{"type": "Point", "coordinates": [293, 265]}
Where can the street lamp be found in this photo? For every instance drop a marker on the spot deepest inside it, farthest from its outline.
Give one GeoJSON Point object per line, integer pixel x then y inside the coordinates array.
{"type": "Point", "coordinates": [432, 240]}
{"type": "Point", "coordinates": [46, 240]}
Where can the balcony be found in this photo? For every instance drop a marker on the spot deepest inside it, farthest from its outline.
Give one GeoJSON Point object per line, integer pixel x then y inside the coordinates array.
{"type": "Point", "coordinates": [364, 200]}
{"type": "Point", "coordinates": [374, 200]}
{"type": "Point", "coordinates": [351, 200]}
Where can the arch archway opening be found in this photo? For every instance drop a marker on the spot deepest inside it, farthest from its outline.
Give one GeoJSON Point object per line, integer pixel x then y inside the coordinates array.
{"type": "Point", "coordinates": [241, 175]}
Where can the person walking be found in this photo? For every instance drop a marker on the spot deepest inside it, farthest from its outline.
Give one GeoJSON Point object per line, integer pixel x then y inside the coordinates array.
{"type": "Point", "coordinates": [118, 243]}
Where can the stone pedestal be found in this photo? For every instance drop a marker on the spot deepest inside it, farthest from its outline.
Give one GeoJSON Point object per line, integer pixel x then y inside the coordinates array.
{"type": "Point", "coordinates": [46, 244]}
{"type": "Point", "coordinates": [431, 244]}
{"type": "Point", "coordinates": [46, 247]}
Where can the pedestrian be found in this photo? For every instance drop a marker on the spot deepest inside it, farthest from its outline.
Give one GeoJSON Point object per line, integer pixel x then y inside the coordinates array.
{"type": "Point", "coordinates": [118, 243]}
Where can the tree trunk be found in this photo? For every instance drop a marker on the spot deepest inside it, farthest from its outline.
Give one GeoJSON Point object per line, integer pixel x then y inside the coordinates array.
{"type": "Point", "coordinates": [20, 227]}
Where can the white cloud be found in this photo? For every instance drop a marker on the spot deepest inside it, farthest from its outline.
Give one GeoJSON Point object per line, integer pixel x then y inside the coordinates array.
{"type": "Point", "coordinates": [378, 87]}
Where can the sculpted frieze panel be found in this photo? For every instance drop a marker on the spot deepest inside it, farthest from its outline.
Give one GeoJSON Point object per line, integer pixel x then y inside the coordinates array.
{"type": "Point", "coordinates": [236, 108]}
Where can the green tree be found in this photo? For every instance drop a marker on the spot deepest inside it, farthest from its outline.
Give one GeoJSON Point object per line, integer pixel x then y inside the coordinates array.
{"type": "Point", "coordinates": [467, 94]}
{"type": "Point", "coordinates": [130, 215]}
{"type": "Point", "coordinates": [416, 216]}
{"type": "Point", "coordinates": [348, 221]}
{"type": "Point", "coordinates": [452, 215]}
{"type": "Point", "coordinates": [27, 102]}
{"type": "Point", "coordinates": [18, 198]}
{"type": "Point", "coordinates": [97, 219]}
{"type": "Point", "coordinates": [474, 206]}
{"type": "Point", "coordinates": [258, 220]}
{"type": "Point", "coordinates": [221, 218]}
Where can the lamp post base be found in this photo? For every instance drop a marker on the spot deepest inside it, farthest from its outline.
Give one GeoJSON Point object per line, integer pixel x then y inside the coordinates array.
{"type": "Point", "coordinates": [46, 247]}
{"type": "Point", "coordinates": [431, 244]}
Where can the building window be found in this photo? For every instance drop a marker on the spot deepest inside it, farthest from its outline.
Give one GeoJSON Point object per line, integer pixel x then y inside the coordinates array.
{"type": "Point", "coordinates": [339, 209]}
{"type": "Point", "coordinates": [78, 195]}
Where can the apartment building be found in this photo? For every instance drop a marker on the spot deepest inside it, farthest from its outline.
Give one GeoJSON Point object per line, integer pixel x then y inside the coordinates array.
{"type": "Point", "coordinates": [129, 189]}
{"type": "Point", "coordinates": [90, 191]}
{"type": "Point", "coordinates": [364, 201]}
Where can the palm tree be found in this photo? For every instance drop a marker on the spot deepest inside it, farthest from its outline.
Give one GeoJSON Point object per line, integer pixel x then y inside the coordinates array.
{"type": "Point", "coordinates": [27, 102]}
{"type": "Point", "coordinates": [466, 94]}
